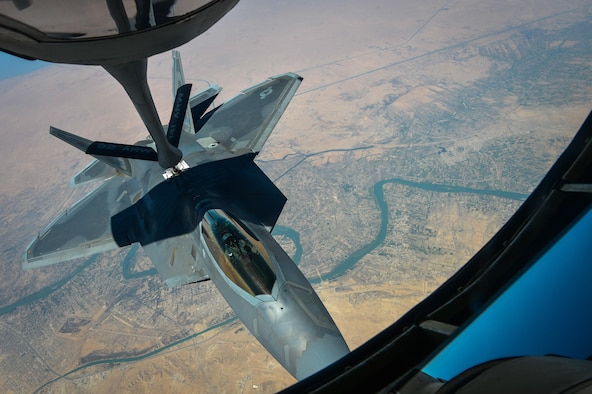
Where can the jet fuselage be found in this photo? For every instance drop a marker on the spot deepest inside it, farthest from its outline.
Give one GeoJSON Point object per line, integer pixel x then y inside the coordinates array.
{"type": "Point", "coordinates": [209, 217]}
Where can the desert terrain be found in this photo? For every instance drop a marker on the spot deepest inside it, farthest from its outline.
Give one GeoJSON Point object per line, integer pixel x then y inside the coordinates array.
{"type": "Point", "coordinates": [418, 130]}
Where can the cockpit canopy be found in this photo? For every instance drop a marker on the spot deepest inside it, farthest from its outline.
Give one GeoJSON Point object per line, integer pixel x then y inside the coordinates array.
{"type": "Point", "coordinates": [240, 256]}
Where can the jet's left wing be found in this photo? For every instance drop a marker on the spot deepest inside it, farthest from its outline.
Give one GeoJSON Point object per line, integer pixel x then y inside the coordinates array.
{"type": "Point", "coordinates": [82, 230]}
{"type": "Point", "coordinates": [243, 123]}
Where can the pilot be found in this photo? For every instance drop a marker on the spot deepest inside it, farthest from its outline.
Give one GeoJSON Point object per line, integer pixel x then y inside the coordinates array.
{"type": "Point", "coordinates": [231, 248]}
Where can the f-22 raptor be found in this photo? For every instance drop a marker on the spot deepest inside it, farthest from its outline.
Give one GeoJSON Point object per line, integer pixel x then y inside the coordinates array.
{"type": "Point", "coordinates": [208, 217]}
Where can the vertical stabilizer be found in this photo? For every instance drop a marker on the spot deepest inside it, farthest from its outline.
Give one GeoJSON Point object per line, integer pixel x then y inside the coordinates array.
{"type": "Point", "coordinates": [178, 75]}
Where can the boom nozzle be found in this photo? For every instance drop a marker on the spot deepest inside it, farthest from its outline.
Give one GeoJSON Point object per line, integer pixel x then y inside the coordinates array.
{"type": "Point", "coordinates": [132, 76]}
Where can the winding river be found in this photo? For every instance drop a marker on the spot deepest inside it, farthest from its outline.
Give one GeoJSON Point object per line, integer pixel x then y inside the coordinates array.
{"type": "Point", "coordinates": [336, 272]}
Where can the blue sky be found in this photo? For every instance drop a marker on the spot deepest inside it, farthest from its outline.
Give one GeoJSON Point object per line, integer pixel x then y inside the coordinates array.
{"type": "Point", "coordinates": [545, 312]}
{"type": "Point", "coordinates": [12, 66]}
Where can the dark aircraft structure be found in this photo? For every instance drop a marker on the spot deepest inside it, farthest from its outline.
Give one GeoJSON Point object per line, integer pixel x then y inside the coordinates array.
{"type": "Point", "coordinates": [191, 196]}
{"type": "Point", "coordinates": [546, 242]}
{"type": "Point", "coordinates": [209, 217]}
{"type": "Point", "coordinates": [118, 35]}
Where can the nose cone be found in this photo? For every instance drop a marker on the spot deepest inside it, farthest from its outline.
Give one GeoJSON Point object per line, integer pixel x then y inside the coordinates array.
{"type": "Point", "coordinates": [319, 353]}
{"type": "Point", "coordinates": [299, 332]}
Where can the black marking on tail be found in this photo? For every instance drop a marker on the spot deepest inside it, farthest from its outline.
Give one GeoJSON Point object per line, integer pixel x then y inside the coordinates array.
{"type": "Point", "coordinates": [121, 150]}
{"type": "Point", "coordinates": [178, 115]}
{"type": "Point", "coordinates": [198, 110]}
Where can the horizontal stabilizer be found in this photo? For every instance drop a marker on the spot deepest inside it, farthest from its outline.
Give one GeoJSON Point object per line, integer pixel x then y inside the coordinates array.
{"type": "Point", "coordinates": [178, 115]}
{"type": "Point", "coordinates": [94, 171]}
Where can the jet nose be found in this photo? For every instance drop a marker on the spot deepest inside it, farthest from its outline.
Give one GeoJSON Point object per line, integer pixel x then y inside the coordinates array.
{"type": "Point", "coordinates": [299, 331]}
{"type": "Point", "coordinates": [319, 354]}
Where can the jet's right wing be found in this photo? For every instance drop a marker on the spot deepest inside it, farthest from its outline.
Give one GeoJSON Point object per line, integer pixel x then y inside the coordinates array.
{"type": "Point", "coordinates": [243, 123]}
{"type": "Point", "coordinates": [82, 230]}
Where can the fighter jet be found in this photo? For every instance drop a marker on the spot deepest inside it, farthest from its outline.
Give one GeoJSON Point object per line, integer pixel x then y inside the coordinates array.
{"type": "Point", "coordinates": [209, 217]}
{"type": "Point", "coordinates": [191, 196]}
